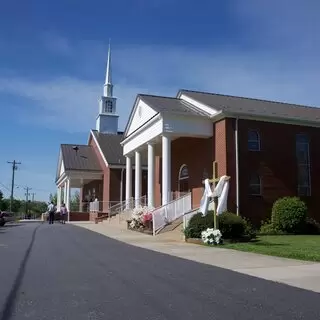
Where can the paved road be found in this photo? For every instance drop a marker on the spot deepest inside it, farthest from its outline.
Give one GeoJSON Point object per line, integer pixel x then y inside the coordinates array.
{"type": "Point", "coordinates": [65, 272]}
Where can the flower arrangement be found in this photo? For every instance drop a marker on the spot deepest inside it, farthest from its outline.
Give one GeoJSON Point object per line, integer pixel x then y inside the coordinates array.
{"type": "Point", "coordinates": [211, 236]}
{"type": "Point", "coordinates": [140, 218]}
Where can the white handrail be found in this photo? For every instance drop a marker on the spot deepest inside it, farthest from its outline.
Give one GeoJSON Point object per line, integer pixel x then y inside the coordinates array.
{"type": "Point", "coordinates": [169, 212]}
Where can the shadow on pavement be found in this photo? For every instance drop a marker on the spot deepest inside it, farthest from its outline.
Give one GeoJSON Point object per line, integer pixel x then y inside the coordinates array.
{"type": "Point", "coordinates": [9, 304]}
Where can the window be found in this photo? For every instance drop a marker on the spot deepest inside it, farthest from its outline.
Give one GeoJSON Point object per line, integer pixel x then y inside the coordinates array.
{"type": "Point", "coordinates": [184, 174]}
{"type": "Point", "coordinates": [183, 179]}
{"type": "Point", "coordinates": [255, 184]}
{"type": "Point", "coordinates": [303, 164]}
{"type": "Point", "coordinates": [108, 107]}
{"type": "Point", "coordinates": [253, 140]}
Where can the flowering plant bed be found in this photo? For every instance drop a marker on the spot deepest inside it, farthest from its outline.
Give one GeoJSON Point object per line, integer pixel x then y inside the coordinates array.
{"type": "Point", "coordinates": [209, 236]}
{"type": "Point", "coordinates": [141, 220]}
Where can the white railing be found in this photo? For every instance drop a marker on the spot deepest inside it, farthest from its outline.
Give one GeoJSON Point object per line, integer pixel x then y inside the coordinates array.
{"type": "Point", "coordinates": [129, 205]}
{"type": "Point", "coordinates": [101, 206]}
{"type": "Point", "coordinates": [188, 215]}
{"type": "Point", "coordinates": [167, 213]}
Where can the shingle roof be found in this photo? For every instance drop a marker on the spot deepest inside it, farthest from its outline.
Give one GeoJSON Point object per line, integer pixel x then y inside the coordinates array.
{"type": "Point", "coordinates": [111, 148]}
{"type": "Point", "coordinates": [256, 107]}
{"type": "Point", "coordinates": [171, 105]}
{"type": "Point", "coordinates": [84, 159]}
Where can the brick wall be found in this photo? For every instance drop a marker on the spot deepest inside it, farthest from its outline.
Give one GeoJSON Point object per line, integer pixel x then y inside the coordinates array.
{"type": "Point", "coordinates": [79, 216]}
{"type": "Point", "coordinates": [224, 154]}
{"type": "Point", "coordinates": [106, 175]}
{"type": "Point", "coordinates": [196, 153]}
{"type": "Point", "coordinates": [276, 164]}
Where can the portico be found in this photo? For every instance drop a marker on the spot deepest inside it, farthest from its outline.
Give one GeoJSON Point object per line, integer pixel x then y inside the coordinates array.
{"type": "Point", "coordinates": [154, 123]}
{"type": "Point", "coordinates": [70, 180]}
{"type": "Point", "coordinates": [77, 167]}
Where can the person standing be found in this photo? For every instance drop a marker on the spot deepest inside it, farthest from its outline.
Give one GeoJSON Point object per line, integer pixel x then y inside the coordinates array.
{"type": "Point", "coordinates": [63, 212]}
{"type": "Point", "coordinates": [51, 210]}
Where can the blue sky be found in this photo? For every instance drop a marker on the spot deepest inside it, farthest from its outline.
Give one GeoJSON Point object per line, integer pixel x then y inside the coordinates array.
{"type": "Point", "coordinates": [53, 56]}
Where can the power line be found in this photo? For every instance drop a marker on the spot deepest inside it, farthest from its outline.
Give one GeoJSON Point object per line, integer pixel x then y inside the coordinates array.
{"type": "Point", "coordinates": [14, 168]}
{"type": "Point", "coordinates": [36, 189]}
{"type": "Point", "coordinates": [4, 186]}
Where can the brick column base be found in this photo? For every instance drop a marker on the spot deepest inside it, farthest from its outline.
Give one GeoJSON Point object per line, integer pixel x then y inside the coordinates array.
{"type": "Point", "coordinates": [93, 215]}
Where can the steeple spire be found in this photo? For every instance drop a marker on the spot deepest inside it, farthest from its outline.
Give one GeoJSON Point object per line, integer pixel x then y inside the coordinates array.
{"type": "Point", "coordinates": [108, 86]}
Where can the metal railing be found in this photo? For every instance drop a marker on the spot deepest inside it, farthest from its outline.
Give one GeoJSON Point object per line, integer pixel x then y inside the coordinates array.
{"type": "Point", "coordinates": [101, 206]}
{"type": "Point", "coordinates": [188, 215]}
{"type": "Point", "coordinates": [168, 213]}
{"type": "Point", "coordinates": [129, 205]}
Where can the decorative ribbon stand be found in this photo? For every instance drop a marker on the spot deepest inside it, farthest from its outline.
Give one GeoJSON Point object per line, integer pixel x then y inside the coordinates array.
{"type": "Point", "coordinates": [219, 195]}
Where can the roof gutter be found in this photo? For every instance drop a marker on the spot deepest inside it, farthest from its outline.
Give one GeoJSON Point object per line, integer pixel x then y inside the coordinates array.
{"type": "Point", "coordinates": [266, 118]}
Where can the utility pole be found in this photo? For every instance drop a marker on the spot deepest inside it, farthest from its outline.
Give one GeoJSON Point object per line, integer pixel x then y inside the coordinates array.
{"type": "Point", "coordinates": [33, 194]}
{"type": "Point", "coordinates": [27, 199]}
{"type": "Point", "coordinates": [14, 168]}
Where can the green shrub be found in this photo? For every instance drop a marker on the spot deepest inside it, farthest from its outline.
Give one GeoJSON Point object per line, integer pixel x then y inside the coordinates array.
{"type": "Point", "coordinates": [249, 232]}
{"type": "Point", "coordinates": [197, 224]}
{"type": "Point", "coordinates": [267, 228]}
{"type": "Point", "coordinates": [231, 226]}
{"type": "Point", "coordinates": [289, 214]}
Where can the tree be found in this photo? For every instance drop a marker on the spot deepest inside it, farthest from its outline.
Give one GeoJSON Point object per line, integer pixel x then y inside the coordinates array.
{"type": "Point", "coordinates": [53, 198]}
{"type": "Point", "coordinates": [3, 206]}
{"type": "Point", "coordinates": [75, 201]}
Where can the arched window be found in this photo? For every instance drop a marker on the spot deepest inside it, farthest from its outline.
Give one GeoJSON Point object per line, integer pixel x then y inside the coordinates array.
{"type": "Point", "coordinates": [255, 185]}
{"type": "Point", "coordinates": [253, 140]}
{"type": "Point", "coordinates": [183, 180]}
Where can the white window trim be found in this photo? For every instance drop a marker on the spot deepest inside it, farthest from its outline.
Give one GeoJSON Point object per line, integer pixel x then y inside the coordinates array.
{"type": "Point", "coordinates": [256, 185]}
{"type": "Point", "coordinates": [183, 178]}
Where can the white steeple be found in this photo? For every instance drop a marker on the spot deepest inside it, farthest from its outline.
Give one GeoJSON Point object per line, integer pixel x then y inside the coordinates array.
{"type": "Point", "coordinates": [108, 86]}
{"type": "Point", "coordinates": [107, 119]}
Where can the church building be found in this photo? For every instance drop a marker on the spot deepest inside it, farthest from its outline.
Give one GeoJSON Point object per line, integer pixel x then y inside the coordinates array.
{"type": "Point", "coordinates": [269, 149]}
{"type": "Point", "coordinates": [171, 144]}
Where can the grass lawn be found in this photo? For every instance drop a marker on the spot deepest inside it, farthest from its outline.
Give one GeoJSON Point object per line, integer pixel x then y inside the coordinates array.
{"type": "Point", "coordinates": [295, 247]}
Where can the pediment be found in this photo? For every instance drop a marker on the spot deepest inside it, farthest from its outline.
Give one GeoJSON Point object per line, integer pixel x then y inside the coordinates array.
{"type": "Point", "coordinates": [141, 114]}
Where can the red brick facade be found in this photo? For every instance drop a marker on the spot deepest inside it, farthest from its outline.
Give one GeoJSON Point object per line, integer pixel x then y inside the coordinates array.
{"type": "Point", "coordinates": [109, 188]}
{"type": "Point", "coordinates": [275, 163]}
{"type": "Point", "coordinates": [79, 216]}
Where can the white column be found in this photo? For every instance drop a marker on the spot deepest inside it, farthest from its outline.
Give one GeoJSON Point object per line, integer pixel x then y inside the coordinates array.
{"type": "Point", "coordinates": [151, 175]}
{"type": "Point", "coordinates": [68, 195]}
{"type": "Point", "coordinates": [58, 198]}
{"type": "Point", "coordinates": [65, 192]}
{"type": "Point", "coordinates": [166, 169]}
{"type": "Point", "coordinates": [128, 181]}
{"type": "Point", "coordinates": [137, 191]}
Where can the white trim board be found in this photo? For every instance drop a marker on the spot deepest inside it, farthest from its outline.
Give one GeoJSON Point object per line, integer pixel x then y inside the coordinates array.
{"type": "Point", "coordinates": [98, 146]}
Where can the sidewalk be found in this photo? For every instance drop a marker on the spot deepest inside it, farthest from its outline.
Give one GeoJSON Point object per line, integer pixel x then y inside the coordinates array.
{"type": "Point", "coordinates": [302, 274]}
